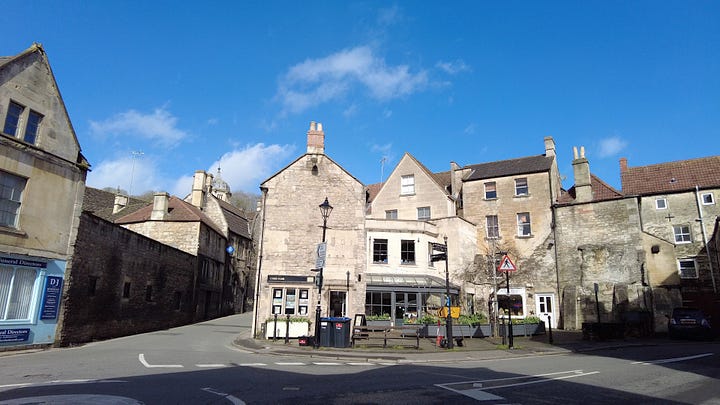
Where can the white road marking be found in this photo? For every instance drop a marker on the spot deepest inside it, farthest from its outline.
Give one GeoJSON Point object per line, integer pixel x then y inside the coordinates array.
{"type": "Point", "coordinates": [290, 364]}
{"type": "Point", "coordinates": [141, 357]}
{"type": "Point", "coordinates": [360, 364]}
{"type": "Point", "coordinates": [234, 400]}
{"type": "Point", "coordinates": [676, 359]}
{"type": "Point", "coordinates": [251, 364]}
{"type": "Point", "coordinates": [475, 391]}
{"type": "Point", "coordinates": [60, 382]}
{"type": "Point", "coordinates": [326, 364]}
{"type": "Point", "coordinates": [211, 365]}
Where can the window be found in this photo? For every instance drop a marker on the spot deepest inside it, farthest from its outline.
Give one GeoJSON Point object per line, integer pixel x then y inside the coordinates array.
{"type": "Point", "coordinates": [407, 184]}
{"type": "Point", "coordinates": [661, 204]}
{"type": "Point", "coordinates": [510, 304]}
{"type": "Point", "coordinates": [33, 124]}
{"type": "Point", "coordinates": [291, 304]}
{"type": "Point", "coordinates": [523, 222]}
{"type": "Point", "coordinates": [521, 186]}
{"type": "Point", "coordinates": [407, 251]}
{"type": "Point", "coordinates": [11, 190]}
{"type": "Point", "coordinates": [17, 292]}
{"type": "Point", "coordinates": [708, 199]}
{"type": "Point", "coordinates": [423, 213]}
{"type": "Point", "coordinates": [380, 251]}
{"type": "Point", "coordinates": [492, 228]}
{"type": "Point", "coordinates": [682, 234]}
{"type": "Point", "coordinates": [687, 268]}
{"type": "Point", "coordinates": [12, 119]}
{"type": "Point", "coordinates": [378, 303]}
{"type": "Point", "coordinates": [490, 192]}
{"type": "Point", "coordinates": [391, 214]}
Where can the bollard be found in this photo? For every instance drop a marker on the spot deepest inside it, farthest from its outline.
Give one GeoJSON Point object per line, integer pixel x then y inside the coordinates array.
{"type": "Point", "coordinates": [287, 330]}
{"type": "Point", "coordinates": [274, 327]}
{"type": "Point", "coordinates": [550, 338]}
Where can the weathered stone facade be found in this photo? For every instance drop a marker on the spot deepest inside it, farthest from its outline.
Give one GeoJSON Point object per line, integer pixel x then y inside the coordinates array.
{"type": "Point", "coordinates": [124, 283]}
{"type": "Point", "coordinates": [292, 229]}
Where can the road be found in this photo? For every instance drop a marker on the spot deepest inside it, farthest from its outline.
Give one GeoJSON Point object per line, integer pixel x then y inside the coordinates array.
{"type": "Point", "coordinates": [197, 364]}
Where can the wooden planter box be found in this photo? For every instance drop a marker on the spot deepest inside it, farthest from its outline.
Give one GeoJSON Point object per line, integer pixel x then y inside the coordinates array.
{"type": "Point", "coordinates": [278, 329]}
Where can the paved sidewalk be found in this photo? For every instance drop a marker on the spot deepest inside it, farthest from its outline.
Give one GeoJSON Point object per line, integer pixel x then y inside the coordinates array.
{"type": "Point", "coordinates": [472, 348]}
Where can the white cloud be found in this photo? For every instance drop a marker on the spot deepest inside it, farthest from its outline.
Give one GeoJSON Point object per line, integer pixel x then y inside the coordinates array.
{"type": "Point", "coordinates": [453, 67]}
{"type": "Point", "coordinates": [244, 169]}
{"type": "Point", "coordinates": [159, 126]}
{"type": "Point", "coordinates": [471, 129]}
{"type": "Point", "coordinates": [317, 81]}
{"type": "Point", "coordinates": [611, 146]}
{"type": "Point", "coordinates": [350, 111]}
{"type": "Point", "coordinates": [135, 176]}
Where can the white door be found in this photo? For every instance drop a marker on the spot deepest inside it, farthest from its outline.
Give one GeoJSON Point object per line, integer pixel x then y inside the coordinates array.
{"type": "Point", "coordinates": [544, 304]}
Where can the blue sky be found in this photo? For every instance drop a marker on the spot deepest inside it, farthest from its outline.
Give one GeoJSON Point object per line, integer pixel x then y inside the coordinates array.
{"type": "Point", "coordinates": [194, 85]}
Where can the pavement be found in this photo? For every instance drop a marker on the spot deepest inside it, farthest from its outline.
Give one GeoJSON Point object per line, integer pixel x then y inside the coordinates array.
{"type": "Point", "coordinates": [486, 348]}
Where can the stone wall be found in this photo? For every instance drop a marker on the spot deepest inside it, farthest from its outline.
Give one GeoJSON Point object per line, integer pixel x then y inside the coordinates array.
{"type": "Point", "coordinates": [107, 257]}
{"type": "Point", "coordinates": [600, 243]}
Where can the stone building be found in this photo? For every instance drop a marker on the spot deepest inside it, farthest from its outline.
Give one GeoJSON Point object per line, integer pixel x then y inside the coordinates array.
{"type": "Point", "coordinates": [677, 203]}
{"type": "Point", "coordinates": [212, 195]}
{"type": "Point", "coordinates": [407, 214]}
{"type": "Point", "coordinates": [42, 178]}
{"type": "Point", "coordinates": [291, 228]}
{"type": "Point", "coordinates": [122, 283]}
{"type": "Point", "coordinates": [510, 202]}
{"type": "Point", "coordinates": [174, 222]}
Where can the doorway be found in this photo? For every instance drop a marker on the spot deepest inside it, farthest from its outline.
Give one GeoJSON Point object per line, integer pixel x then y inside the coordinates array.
{"type": "Point", "coordinates": [338, 303]}
{"type": "Point", "coordinates": [544, 308]}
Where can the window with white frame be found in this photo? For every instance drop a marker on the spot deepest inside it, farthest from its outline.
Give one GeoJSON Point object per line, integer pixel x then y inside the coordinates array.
{"type": "Point", "coordinates": [17, 292]}
{"type": "Point", "coordinates": [11, 191]}
{"type": "Point", "coordinates": [290, 301]}
{"type": "Point", "coordinates": [682, 233]}
{"type": "Point", "coordinates": [490, 191]}
{"type": "Point", "coordinates": [521, 186]}
{"type": "Point", "coordinates": [687, 268]}
{"type": "Point", "coordinates": [707, 198]}
{"type": "Point", "coordinates": [423, 213]}
{"type": "Point", "coordinates": [523, 223]}
{"type": "Point", "coordinates": [407, 184]}
{"type": "Point", "coordinates": [391, 214]}
{"type": "Point", "coordinates": [661, 204]}
{"type": "Point", "coordinates": [493, 227]}
{"type": "Point", "coordinates": [512, 304]}
{"type": "Point", "coordinates": [407, 251]}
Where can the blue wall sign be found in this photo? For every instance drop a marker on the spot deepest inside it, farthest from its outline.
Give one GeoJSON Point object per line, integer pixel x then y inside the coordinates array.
{"type": "Point", "coordinates": [14, 335]}
{"type": "Point", "coordinates": [22, 262]}
{"type": "Point", "coordinates": [51, 297]}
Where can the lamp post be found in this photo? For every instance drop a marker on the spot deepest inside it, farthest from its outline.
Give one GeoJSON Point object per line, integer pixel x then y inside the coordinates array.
{"type": "Point", "coordinates": [325, 210]}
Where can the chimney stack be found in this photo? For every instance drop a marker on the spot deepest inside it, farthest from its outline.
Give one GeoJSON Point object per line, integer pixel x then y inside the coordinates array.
{"type": "Point", "coordinates": [197, 198]}
{"type": "Point", "coordinates": [549, 146]}
{"type": "Point", "coordinates": [316, 139]}
{"type": "Point", "coordinates": [581, 171]}
{"type": "Point", "coordinates": [121, 201]}
{"type": "Point", "coordinates": [161, 201]}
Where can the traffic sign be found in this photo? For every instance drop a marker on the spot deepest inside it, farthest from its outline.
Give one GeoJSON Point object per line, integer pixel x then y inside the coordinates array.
{"type": "Point", "coordinates": [321, 250]}
{"type": "Point", "coordinates": [439, 247]}
{"type": "Point", "coordinates": [506, 264]}
{"type": "Point", "coordinates": [438, 257]}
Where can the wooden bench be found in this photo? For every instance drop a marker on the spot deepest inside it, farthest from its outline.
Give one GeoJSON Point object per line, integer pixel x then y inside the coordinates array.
{"type": "Point", "coordinates": [398, 336]}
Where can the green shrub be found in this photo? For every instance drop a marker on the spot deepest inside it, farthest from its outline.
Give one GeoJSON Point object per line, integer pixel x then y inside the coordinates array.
{"type": "Point", "coordinates": [383, 317]}
{"type": "Point", "coordinates": [472, 320]}
{"type": "Point", "coordinates": [428, 319]}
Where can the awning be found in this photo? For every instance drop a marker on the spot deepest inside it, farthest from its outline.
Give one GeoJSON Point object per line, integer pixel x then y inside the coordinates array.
{"type": "Point", "coordinates": [409, 282]}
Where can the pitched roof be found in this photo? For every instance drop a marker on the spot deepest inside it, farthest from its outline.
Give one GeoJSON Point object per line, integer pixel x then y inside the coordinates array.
{"type": "Point", "coordinates": [601, 191]}
{"type": "Point", "coordinates": [178, 211]}
{"type": "Point", "coordinates": [101, 203]}
{"type": "Point", "coordinates": [373, 190]}
{"type": "Point", "coordinates": [511, 167]}
{"type": "Point", "coordinates": [236, 219]}
{"type": "Point", "coordinates": [669, 177]}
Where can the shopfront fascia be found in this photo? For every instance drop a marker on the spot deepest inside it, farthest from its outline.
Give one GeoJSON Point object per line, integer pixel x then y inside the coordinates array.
{"type": "Point", "coordinates": [402, 297]}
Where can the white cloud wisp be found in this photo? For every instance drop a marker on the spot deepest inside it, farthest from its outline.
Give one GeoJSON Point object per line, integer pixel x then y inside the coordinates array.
{"type": "Point", "coordinates": [159, 126]}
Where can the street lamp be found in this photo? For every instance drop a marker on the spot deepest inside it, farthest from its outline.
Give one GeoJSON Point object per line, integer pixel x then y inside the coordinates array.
{"type": "Point", "coordinates": [325, 210]}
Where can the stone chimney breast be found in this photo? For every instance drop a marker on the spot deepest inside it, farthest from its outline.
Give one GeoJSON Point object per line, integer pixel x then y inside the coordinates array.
{"type": "Point", "coordinates": [315, 139]}
{"type": "Point", "coordinates": [161, 202]}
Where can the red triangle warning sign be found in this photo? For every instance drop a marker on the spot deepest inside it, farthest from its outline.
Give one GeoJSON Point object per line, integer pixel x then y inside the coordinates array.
{"type": "Point", "coordinates": [506, 264]}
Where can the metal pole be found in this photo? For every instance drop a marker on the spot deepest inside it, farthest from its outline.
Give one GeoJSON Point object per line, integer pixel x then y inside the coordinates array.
{"type": "Point", "coordinates": [320, 282]}
{"type": "Point", "coordinates": [510, 331]}
{"type": "Point", "coordinates": [448, 321]}
{"type": "Point", "coordinates": [550, 338]}
{"type": "Point", "coordinates": [347, 292]}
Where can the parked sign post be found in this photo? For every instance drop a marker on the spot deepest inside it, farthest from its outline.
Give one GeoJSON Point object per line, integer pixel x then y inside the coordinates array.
{"type": "Point", "coordinates": [508, 266]}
